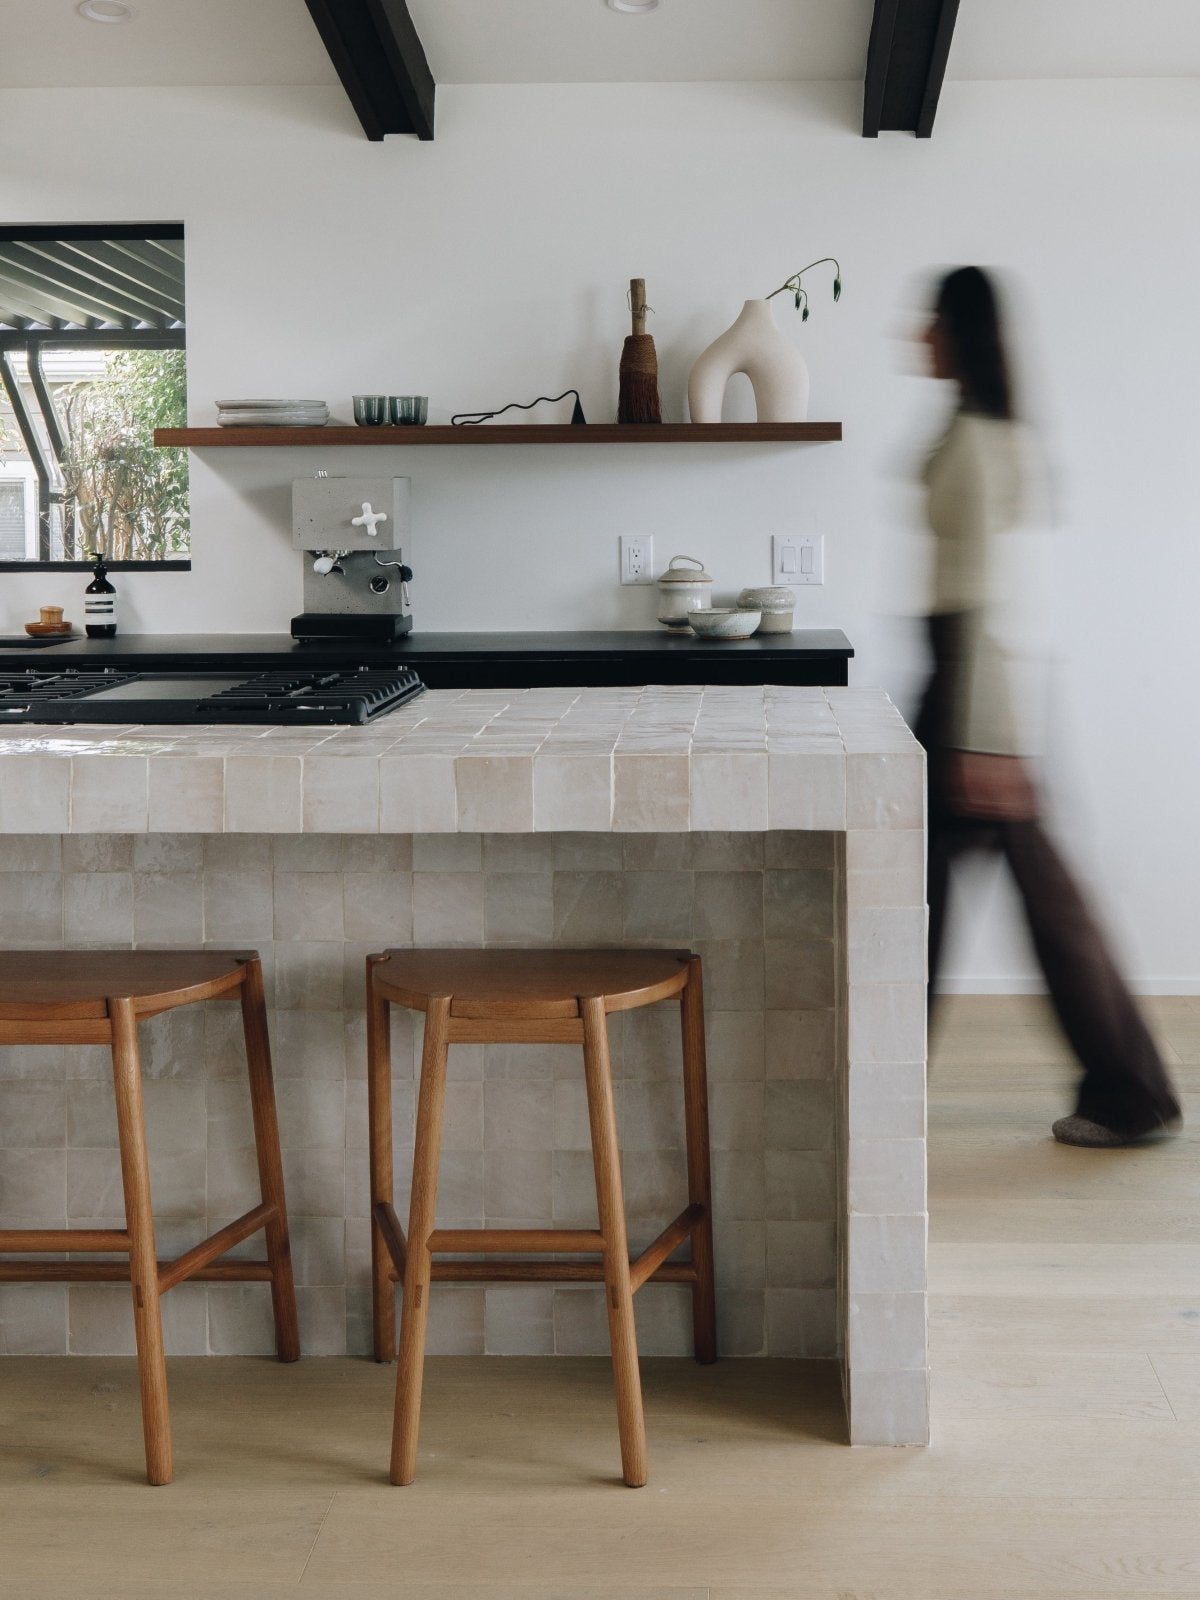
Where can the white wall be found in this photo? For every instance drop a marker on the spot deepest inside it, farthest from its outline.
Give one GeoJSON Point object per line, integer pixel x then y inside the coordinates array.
{"type": "Point", "coordinates": [491, 265]}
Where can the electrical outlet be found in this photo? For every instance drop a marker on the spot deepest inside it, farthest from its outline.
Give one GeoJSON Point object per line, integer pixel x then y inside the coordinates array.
{"type": "Point", "coordinates": [637, 558]}
{"type": "Point", "coordinates": [798, 558]}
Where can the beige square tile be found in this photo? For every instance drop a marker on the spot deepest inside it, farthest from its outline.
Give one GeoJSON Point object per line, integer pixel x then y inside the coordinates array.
{"type": "Point", "coordinates": [33, 1316]}
{"type": "Point", "coordinates": [31, 907]}
{"type": "Point", "coordinates": [589, 907]}
{"type": "Point", "coordinates": [98, 908]}
{"type": "Point", "coordinates": [168, 907]}
{"type": "Point", "coordinates": [495, 793]}
{"type": "Point", "coordinates": [238, 905]}
{"type": "Point", "coordinates": [572, 792]}
{"type": "Point", "coordinates": [518, 908]}
{"type": "Point", "coordinates": [887, 1332]}
{"type": "Point", "coordinates": [807, 790]}
{"type": "Point", "coordinates": [32, 1113]}
{"type": "Point", "coordinates": [35, 794]}
{"type": "Point", "coordinates": [889, 1408]}
{"type": "Point", "coordinates": [650, 793]}
{"type": "Point", "coordinates": [378, 906]}
{"type": "Point", "coordinates": [519, 1320]}
{"type": "Point", "coordinates": [798, 1116]}
{"type": "Point", "coordinates": [263, 792]}
{"type": "Point", "coordinates": [417, 794]}
{"type": "Point", "coordinates": [109, 794]}
{"type": "Point", "coordinates": [29, 852]}
{"type": "Point", "coordinates": [886, 791]}
{"type": "Point", "coordinates": [885, 1254]}
{"type": "Point", "coordinates": [187, 794]}
{"type": "Point", "coordinates": [518, 1115]}
{"type": "Point", "coordinates": [341, 794]}
{"type": "Point", "coordinates": [308, 906]}
{"type": "Point", "coordinates": [658, 906]}
{"type": "Point", "coordinates": [886, 1176]}
{"type": "Point", "coordinates": [735, 1045]}
{"type": "Point", "coordinates": [729, 790]}
{"type": "Point", "coordinates": [800, 1185]}
{"type": "Point", "coordinates": [33, 1188]}
{"type": "Point", "coordinates": [729, 905]}
{"type": "Point", "coordinates": [448, 908]}
{"type": "Point", "coordinates": [886, 945]}
{"type": "Point", "coordinates": [885, 868]}
{"type": "Point", "coordinates": [801, 1323]}
{"type": "Point", "coordinates": [799, 1044]}
{"type": "Point", "coordinates": [518, 1183]}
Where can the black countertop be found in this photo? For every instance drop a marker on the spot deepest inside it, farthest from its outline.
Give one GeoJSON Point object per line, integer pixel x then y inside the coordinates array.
{"type": "Point", "coordinates": [485, 660]}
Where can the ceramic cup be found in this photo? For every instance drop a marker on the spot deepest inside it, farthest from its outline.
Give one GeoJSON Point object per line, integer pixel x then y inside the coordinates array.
{"type": "Point", "coordinates": [408, 410]}
{"type": "Point", "coordinates": [370, 410]}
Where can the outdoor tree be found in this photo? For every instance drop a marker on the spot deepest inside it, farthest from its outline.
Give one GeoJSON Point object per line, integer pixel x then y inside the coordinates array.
{"type": "Point", "coordinates": [131, 499]}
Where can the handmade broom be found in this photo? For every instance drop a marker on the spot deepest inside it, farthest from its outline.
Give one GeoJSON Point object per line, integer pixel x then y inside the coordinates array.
{"type": "Point", "coordinates": [639, 400]}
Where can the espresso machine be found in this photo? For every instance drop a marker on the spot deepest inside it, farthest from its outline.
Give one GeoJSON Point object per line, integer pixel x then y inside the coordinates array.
{"type": "Point", "coordinates": [352, 531]}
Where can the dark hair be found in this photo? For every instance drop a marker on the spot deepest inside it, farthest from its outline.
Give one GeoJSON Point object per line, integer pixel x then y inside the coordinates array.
{"type": "Point", "coordinates": [968, 308]}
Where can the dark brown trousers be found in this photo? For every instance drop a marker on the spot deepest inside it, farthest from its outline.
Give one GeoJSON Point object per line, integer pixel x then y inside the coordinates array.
{"type": "Point", "coordinates": [1124, 1084]}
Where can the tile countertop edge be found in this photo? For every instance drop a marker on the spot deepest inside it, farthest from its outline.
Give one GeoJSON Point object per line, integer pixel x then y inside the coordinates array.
{"type": "Point", "coordinates": [669, 758]}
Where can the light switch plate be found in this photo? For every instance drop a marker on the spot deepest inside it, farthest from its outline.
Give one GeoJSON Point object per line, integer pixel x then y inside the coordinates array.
{"type": "Point", "coordinates": [798, 558]}
{"type": "Point", "coordinates": [637, 558]}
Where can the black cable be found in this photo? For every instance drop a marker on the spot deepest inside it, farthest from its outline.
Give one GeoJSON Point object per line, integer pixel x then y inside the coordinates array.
{"type": "Point", "coordinates": [471, 419]}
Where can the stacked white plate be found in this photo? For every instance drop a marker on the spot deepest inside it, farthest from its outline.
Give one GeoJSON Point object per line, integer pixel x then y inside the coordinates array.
{"type": "Point", "coordinates": [272, 413]}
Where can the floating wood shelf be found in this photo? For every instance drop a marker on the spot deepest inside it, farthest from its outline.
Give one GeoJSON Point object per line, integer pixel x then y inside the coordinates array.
{"type": "Point", "coordinates": [498, 433]}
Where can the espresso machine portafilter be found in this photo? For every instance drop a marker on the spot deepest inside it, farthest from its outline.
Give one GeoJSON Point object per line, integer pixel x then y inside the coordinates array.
{"type": "Point", "coordinates": [352, 531]}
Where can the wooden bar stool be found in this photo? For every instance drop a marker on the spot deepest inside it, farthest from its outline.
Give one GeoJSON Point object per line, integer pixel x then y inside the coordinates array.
{"type": "Point", "coordinates": [99, 997]}
{"type": "Point", "coordinates": [531, 997]}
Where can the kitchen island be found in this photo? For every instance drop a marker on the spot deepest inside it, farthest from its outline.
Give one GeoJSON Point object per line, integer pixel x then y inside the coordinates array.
{"type": "Point", "coordinates": [779, 831]}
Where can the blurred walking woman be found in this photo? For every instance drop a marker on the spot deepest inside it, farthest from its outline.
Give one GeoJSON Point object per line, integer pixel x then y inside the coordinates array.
{"type": "Point", "coordinates": [981, 795]}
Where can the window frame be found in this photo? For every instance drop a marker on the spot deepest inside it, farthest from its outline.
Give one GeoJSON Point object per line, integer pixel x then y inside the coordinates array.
{"type": "Point", "coordinates": [30, 342]}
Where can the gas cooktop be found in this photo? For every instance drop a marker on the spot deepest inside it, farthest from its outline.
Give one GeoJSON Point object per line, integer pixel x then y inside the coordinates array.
{"type": "Point", "coordinates": [125, 695]}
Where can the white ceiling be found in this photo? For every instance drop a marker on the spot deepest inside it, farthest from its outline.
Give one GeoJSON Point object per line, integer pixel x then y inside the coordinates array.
{"type": "Point", "coordinates": [176, 42]}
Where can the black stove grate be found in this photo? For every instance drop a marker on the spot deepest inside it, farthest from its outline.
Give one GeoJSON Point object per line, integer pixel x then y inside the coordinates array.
{"type": "Point", "coordinates": [352, 695]}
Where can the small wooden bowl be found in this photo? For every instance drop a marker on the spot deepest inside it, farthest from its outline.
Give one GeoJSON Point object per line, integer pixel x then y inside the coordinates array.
{"type": "Point", "coordinates": [38, 630]}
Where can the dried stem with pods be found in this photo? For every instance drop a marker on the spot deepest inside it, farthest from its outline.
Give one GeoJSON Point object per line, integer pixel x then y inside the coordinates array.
{"type": "Point", "coordinates": [794, 286]}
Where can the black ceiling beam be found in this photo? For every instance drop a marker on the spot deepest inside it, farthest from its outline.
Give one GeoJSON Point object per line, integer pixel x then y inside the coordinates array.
{"type": "Point", "coordinates": [906, 64]}
{"type": "Point", "coordinates": [378, 55]}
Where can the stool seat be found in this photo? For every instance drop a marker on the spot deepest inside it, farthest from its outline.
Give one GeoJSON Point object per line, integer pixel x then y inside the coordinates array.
{"type": "Point", "coordinates": [80, 983]}
{"type": "Point", "coordinates": [533, 984]}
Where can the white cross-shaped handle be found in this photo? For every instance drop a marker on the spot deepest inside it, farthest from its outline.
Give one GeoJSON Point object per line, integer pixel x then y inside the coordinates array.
{"type": "Point", "coordinates": [368, 519]}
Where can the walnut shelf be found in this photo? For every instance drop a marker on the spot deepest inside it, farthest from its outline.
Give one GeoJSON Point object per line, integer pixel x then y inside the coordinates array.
{"type": "Point", "coordinates": [497, 433]}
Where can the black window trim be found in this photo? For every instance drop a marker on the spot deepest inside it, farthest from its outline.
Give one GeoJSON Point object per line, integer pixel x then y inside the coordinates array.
{"type": "Point", "coordinates": [32, 341]}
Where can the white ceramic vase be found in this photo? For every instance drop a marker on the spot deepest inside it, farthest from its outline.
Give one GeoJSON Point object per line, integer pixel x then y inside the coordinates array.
{"type": "Point", "coordinates": [754, 345]}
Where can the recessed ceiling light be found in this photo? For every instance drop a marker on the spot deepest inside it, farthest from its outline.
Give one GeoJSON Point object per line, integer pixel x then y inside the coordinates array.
{"type": "Point", "coordinates": [105, 10]}
{"type": "Point", "coordinates": [636, 7]}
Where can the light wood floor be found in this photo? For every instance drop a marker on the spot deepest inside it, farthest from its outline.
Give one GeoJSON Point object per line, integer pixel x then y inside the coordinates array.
{"type": "Point", "coordinates": [1066, 1322]}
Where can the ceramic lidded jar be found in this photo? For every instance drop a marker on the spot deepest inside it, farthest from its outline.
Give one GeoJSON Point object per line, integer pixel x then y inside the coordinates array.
{"type": "Point", "coordinates": [683, 587]}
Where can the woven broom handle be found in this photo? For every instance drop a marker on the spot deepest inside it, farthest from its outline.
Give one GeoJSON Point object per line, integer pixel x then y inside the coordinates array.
{"type": "Point", "coordinates": [637, 299]}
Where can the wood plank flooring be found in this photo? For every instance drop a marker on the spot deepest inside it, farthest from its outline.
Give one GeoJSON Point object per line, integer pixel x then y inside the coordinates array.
{"type": "Point", "coordinates": [1066, 1455]}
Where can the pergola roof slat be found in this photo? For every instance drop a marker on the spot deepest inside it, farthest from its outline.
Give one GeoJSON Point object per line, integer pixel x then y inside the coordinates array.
{"type": "Point", "coordinates": [85, 282]}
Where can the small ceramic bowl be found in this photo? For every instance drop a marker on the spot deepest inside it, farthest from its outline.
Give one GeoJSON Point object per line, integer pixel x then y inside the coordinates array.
{"type": "Point", "coordinates": [370, 410]}
{"type": "Point", "coordinates": [408, 410]}
{"type": "Point", "coordinates": [720, 622]}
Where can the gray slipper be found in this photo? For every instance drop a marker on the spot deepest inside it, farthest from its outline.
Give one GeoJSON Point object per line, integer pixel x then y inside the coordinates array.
{"type": "Point", "coordinates": [1089, 1135]}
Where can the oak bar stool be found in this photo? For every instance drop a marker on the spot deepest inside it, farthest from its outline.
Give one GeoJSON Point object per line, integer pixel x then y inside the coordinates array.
{"type": "Point", "coordinates": [99, 997]}
{"type": "Point", "coordinates": [530, 997]}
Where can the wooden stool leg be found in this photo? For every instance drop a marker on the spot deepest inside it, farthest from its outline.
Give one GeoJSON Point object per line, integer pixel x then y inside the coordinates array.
{"type": "Point", "coordinates": [610, 1201]}
{"type": "Point", "coordinates": [695, 1106]}
{"type": "Point", "coordinates": [418, 1266]}
{"type": "Point", "coordinates": [143, 1258]}
{"type": "Point", "coordinates": [270, 1162]}
{"type": "Point", "coordinates": [379, 1120]}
